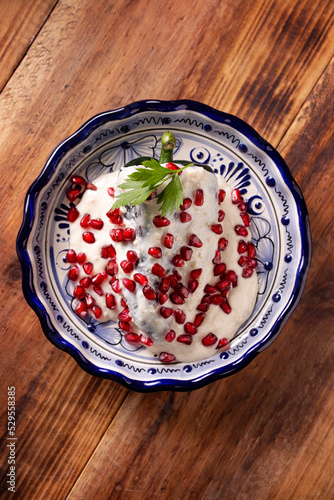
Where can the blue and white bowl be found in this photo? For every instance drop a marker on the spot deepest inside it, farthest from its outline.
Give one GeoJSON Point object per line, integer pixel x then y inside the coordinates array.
{"type": "Point", "coordinates": [280, 232]}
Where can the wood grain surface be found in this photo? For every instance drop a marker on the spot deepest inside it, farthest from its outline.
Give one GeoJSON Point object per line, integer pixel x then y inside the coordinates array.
{"type": "Point", "coordinates": [264, 433]}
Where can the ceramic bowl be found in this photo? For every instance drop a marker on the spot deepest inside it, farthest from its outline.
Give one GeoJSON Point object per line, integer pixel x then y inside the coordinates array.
{"type": "Point", "coordinates": [280, 232]}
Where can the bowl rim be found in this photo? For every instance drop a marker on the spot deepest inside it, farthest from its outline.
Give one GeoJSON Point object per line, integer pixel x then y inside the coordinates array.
{"type": "Point", "coordinates": [29, 215]}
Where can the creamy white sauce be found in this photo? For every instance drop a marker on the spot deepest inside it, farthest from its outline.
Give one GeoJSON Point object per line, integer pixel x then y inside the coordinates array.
{"type": "Point", "coordinates": [145, 313]}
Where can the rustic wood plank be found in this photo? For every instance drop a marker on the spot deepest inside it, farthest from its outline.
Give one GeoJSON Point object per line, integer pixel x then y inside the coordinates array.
{"type": "Point", "coordinates": [93, 56]}
{"type": "Point", "coordinates": [20, 23]}
{"type": "Point", "coordinates": [266, 431]}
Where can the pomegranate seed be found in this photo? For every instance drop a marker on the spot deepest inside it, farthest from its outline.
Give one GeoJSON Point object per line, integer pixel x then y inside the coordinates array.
{"type": "Point", "coordinates": [77, 179]}
{"type": "Point", "coordinates": [240, 230]}
{"type": "Point", "coordinates": [177, 275]}
{"type": "Point", "coordinates": [242, 246]}
{"type": "Point", "coordinates": [73, 273]}
{"type": "Point", "coordinates": [221, 195]}
{"type": "Point", "coordinates": [124, 303]}
{"type": "Point", "coordinates": [242, 206]}
{"type": "Point", "coordinates": [71, 256]}
{"type": "Point", "coordinates": [99, 278]}
{"type": "Point", "coordinates": [217, 258]}
{"type": "Point", "coordinates": [89, 301]}
{"type": "Point", "coordinates": [111, 191]}
{"type": "Point", "coordinates": [127, 266]}
{"type": "Point", "coordinates": [219, 269]}
{"type": "Point", "coordinates": [140, 278]}
{"type": "Point", "coordinates": [195, 274]}
{"type": "Point", "coordinates": [179, 316]}
{"type": "Point", "coordinates": [166, 312]}
{"type": "Point", "coordinates": [170, 335]}
{"type": "Point", "coordinates": [88, 267]}
{"type": "Point", "coordinates": [231, 276]}
{"type": "Point", "coordinates": [223, 343]}
{"type": "Point", "coordinates": [158, 270]}
{"type": "Point", "coordinates": [108, 251]}
{"type": "Point", "coordinates": [186, 204]}
{"type": "Point", "coordinates": [209, 340]}
{"type": "Point", "coordinates": [245, 219]}
{"type": "Point", "coordinates": [132, 256]}
{"type": "Point", "coordinates": [91, 186]}
{"type": "Point", "coordinates": [112, 267]}
{"type": "Point", "coordinates": [194, 241]}
{"type": "Point", "coordinates": [217, 228]}
{"type": "Point", "coordinates": [166, 357]}
{"type": "Point", "coordinates": [199, 198]}
{"type": "Point", "coordinates": [199, 318]}
{"type": "Point", "coordinates": [222, 244]}
{"type": "Point", "coordinates": [192, 286]}
{"type": "Point", "coordinates": [110, 301]}
{"type": "Point", "coordinates": [81, 310]}
{"type": "Point", "coordinates": [79, 292]}
{"type": "Point", "coordinates": [247, 273]}
{"type": "Point", "coordinates": [186, 253]}
{"type": "Point", "coordinates": [160, 221]}
{"type": "Point", "coordinates": [225, 306]}
{"type": "Point", "coordinates": [223, 285]}
{"type": "Point", "coordinates": [85, 221]}
{"type": "Point", "coordinates": [129, 234]}
{"type": "Point", "coordinates": [115, 285]}
{"type": "Point", "coordinates": [209, 289]}
{"type": "Point", "coordinates": [81, 257]}
{"type": "Point", "coordinates": [88, 237]}
{"type": "Point", "coordinates": [236, 197]}
{"type": "Point", "coordinates": [85, 282]}
{"type": "Point", "coordinates": [242, 260]}
{"type": "Point", "coordinates": [149, 293]}
{"type": "Point", "coordinates": [182, 291]}
{"type": "Point", "coordinates": [202, 307]}
{"type": "Point", "coordinates": [145, 340]}
{"type": "Point", "coordinates": [155, 252]}
{"type": "Point", "coordinates": [97, 224]}
{"type": "Point", "coordinates": [164, 285]}
{"type": "Point", "coordinates": [114, 212]}
{"type": "Point", "coordinates": [251, 250]}
{"type": "Point", "coordinates": [131, 337]}
{"type": "Point", "coordinates": [125, 315]}
{"type": "Point", "coordinates": [168, 240]}
{"type": "Point", "coordinates": [206, 299]}
{"type": "Point", "coordinates": [172, 166]}
{"type": "Point", "coordinates": [217, 299]}
{"type": "Point", "coordinates": [72, 214]}
{"type": "Point", "coordinates": [190, 328]}
{"type": "Point", "coordinates": [73, 193]}
{"type": "Point", "coordinates": [98, 290]}
{"type": "Point", "coordinates": [129, 285]}
{"type": "Point", "coordinates": [185, 339]}
{"type": "Point", "coordinates": [252, 263]}
{"type": "Point", "coordinates": [116, 234]}
{"type": "Point", "coordinates": [162, 298]}
{"type": "Point", "coordinates": [173, 281]}
{"type": "Point", "coordinates": [114, 216]}
{"type": "Point", "coordinates": [124, 325]}
{"type": "Point", "coordinates": [177, 261]}
{"type": "Point", "coordinates": [185, 217]}
{"type": "Point", "coordinates": [221, 215]}
{"type": "Point", "coordinates": [97, 311]}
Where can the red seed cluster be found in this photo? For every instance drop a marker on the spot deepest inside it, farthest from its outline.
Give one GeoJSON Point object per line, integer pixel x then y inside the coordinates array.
{"type": "Point", "coordinates": [169, 286]}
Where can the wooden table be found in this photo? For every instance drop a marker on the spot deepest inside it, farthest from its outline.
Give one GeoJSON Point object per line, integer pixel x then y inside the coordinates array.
{"type": "Point", "coordinates": [267, 431]}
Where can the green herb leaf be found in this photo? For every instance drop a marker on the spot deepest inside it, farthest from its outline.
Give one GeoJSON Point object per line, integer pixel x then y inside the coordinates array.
{"type": "Point", "coordinates": [141, 183]}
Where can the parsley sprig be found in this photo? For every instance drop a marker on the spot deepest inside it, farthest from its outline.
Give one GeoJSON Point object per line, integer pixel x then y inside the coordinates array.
{"type": "Point", "coordinates": [144, 181]}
